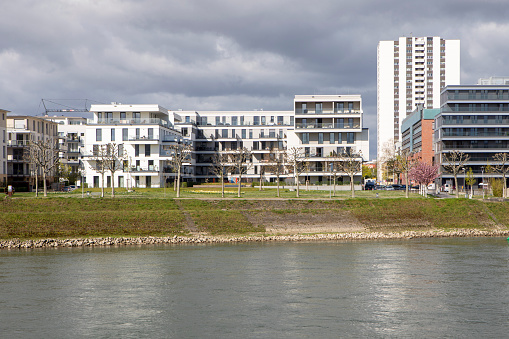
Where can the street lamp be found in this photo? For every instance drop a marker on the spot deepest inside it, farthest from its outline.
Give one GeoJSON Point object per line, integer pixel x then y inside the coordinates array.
{"type": "Point", "coordinates": [482, 173]}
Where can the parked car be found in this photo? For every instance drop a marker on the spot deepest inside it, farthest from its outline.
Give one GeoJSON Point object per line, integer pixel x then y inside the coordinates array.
{"type": "Point", "coordinates": [72, 188]}
{"type": "Point", "coordinates": [396, 187]}
{"type": "Point", "coordinates": [369, 186]}
{"type": "Point", "coordinates": [389, 188]}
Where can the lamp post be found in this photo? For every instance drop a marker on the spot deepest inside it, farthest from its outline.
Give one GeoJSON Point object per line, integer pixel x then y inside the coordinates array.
{"type": "Point", "coordinates": [330, 181]}
{"type": "Point", "coordinates": [482, 173]}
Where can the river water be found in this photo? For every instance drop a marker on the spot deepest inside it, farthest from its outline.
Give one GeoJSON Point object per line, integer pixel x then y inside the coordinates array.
{"type": "Point", "coordinates": [406, 288]}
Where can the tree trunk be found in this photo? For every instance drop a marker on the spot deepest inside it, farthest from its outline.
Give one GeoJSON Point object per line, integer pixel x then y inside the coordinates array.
{"type": "Point", "coordinates": [240, 181]}
{"type": "Point", "coordinates": [44, 182]}
{"type": "Point", "coordinates": [36, 184]}
{"type": "Point", "coordinates": [504, 194]}
{"type": "Point", "coordinates": [178, 183]}
{"type": "Point", "coordinates": [112, 185]}
{"type": "Point", "coordinates": [406, 186]}
{"type": "Point", "coordinates": [222, 185]}
{"type": "Point", "coordinates": [334, 184]}
{"type": "Point", "coordinates": [297, 182]}
{"type": "Point", "coordinates": [456, 185]}
{"type": "Point", "coordinates": [260, 178]}
{"type": "Point", "coordinates": [352, 187]}
{"type": "Point", "coordinates": [277, 186]}
{"type": "Point", "coordinates": [102, 185]}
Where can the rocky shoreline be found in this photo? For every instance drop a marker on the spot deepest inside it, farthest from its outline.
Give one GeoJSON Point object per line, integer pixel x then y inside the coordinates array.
{"type": "Point", "coordinates": [208, 239]}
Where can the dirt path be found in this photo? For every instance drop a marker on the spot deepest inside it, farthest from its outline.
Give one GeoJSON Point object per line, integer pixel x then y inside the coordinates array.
{"type": "Point", "coordinates": [191, 226]}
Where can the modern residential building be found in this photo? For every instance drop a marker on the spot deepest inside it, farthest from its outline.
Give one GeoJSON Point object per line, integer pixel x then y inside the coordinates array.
{"type": "Point", "coordinates": [493, 81]}
{"type": "Point", "coordinates": [411, 71]}
{"type": "Point", "coordinates": [320, 126]}
{"type": "Point", "coordinates": [473, 119]}
{"type": "Point", "coordinates": [21, 130]}
{"type": "Point", "coordinates": [143, 132]}
{"type": "Point", "coordinates": [3, 147]}
{"type": "Point", "coordinates": [326, 125]}
{"type": "Point", "coordinates": [71, 137]}
{"type": "Point", "coordinates": [417, 133]}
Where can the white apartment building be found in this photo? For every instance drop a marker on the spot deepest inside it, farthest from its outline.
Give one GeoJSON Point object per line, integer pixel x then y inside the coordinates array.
{"type": "Point", "coordinates": [21, 130]}
{"type": "Point", "coordinates": [143, 132]}
{"type": "Point", "coordinates": [3, 147]}
{"type": "Point", "coordinates": [71, 137]}
{"type": "Point", "coordinates": [411, 71]}
{"type": "Point", "coordinates": [320, 125]}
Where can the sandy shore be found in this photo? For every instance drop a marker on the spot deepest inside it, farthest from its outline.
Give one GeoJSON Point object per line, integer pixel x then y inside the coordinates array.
{"type": "Point", "coordinates": [207, 239]}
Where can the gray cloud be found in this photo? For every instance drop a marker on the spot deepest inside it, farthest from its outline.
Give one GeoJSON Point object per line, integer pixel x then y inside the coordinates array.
{"type": "Point", "coordinates": [229, 55]}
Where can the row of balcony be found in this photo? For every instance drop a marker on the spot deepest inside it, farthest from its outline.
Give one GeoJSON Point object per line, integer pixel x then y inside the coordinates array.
{"type": "Point", "coordinates": [476, 121]}
{"type": "Point", "coordinates": [148, 121]}
{"type": "Point", "coordinates": [478, 96]}
{"type": "Point", "coordinates": [344, 111]}
{"type": "Point", "coordinates": [476, 134]}
{"type": "Point", "coordinates": [327, 125]}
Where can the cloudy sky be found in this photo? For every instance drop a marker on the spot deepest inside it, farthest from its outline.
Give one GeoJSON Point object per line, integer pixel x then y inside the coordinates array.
{"type": "Point", "coordinates": [226, 54]}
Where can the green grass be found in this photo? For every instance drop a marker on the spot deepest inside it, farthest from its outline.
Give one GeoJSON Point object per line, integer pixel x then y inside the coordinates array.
{"type": "Point", "coordinates": [223, 222]}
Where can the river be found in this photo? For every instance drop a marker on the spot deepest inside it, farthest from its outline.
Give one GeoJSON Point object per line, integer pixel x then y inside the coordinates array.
{"type": "Point", "coordinates": [401, 288]}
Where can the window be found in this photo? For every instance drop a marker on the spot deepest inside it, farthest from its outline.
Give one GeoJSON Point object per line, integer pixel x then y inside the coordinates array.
{"type": "Point", "coordinates": [250, 134]}
{"type": "Point", "coordinates": [339, 107]}
{"type": "Point", "coordinates": [98, 134]}
{"type": "Point", "coordinates": [112, 134]}
{"type": "Point", "coordinates": [318, 107]}
{"type": "Point", "coordinates": [320, 138]}
{"type": "Point", "coordinates": [279, 120]}
{"type": "Point", "coordinates": [108, 116]}
{"type": "Point", "coordinates": [124, 134]}
{"type": "Point", "coordinates": [123, 116]}
{"type": "Point", "coordinates": [137, 133]}
{"type": "Point", "coordinates": [121, 150]}
{"type": "Point", "coordinates": [331, 138]}
{"type": "Point", "coordinates": [147, 150]}
{"type": "Point", "coordinates": [224, 133]}
{"type": "Point", "coordinates": [233, 133]}
{"type": "Point", "coordinates": [188, 119]}
{"type": "Point", "coordinates": [218, 121]}
{"type": "Point", "coordinates": [263, 120]}
{"type": "Point", "coordinates": [151, 133]}
{"type": "Point", "coordinates": [304, 107]}
{"type": "Point", "coordinates": [136, 150]}
{"type": "Point", "coordinates": [350, 137]}
{"type": "Point", "coordinates": [305, 138]}
{"type": "Point", "coordinates": [243, 134]}
{"type": "Point", "coordinates": [136, 115]}
{"type": "Point", "coordinates": [256, 121]}
{"type": "Point", "coordinates": [234, 121]}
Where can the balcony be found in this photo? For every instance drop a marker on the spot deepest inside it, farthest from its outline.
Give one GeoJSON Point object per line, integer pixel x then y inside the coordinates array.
{"type": "Point", "coordinates": [325, 125]}
{"type": "Point", "coordinates": [148, 121]}
{"type": "Point", "coordinates": [504, 121]}
{"type": "Point", "coordinates": [18, 143]}
{"type": "Point", "coordinates": [477, 96]}
{"type": "Point", "coordinates": [300, 111]}
{"type": "Point", "coordinates": [17, 158]}
{"type": "Point", "coordinates": [140, 169]}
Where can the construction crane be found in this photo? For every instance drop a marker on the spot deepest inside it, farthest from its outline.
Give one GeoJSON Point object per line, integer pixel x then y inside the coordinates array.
{"type": "Point", "coordinates": [65, 105]}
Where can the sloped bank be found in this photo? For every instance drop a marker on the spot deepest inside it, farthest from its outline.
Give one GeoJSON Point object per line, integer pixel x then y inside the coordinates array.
{"type": "Point", "coordinates": [207, 239]}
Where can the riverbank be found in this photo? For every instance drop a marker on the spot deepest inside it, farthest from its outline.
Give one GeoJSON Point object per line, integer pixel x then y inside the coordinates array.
{"type": "Point", "coordinates": [207, 239]}
{"type": "Point", "coordinates": [198, 220]}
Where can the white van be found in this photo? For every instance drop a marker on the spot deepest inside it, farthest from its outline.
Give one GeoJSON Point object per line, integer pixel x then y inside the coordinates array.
{"type": "Point", "coordinates": [447, 188]}
{"type": "Point", "coordinates": [431, 187]}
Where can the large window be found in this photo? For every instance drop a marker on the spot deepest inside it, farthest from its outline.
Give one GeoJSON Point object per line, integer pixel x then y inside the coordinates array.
{"type": "Point", "coordinates": [136, 150]}
{"type": "Point", "coordinates": [243, 134]}
{"type": "Point", "coordinates": [147, 150]}
{"type": "Point", "coordinates": [331, 138]}
{"type": "Point", "coordinates": [98, 134]}
{"type": "Point", "coordinates": [112, 134]}
{"type": "Point", "coordinates": [318, 107]}
{"type": "Point", "coordinates": [151, 133]}
{"type": "Point", "coordinates": [256, 120]}
{"type": "Point", "coordinates": [122, 116]}
{"type": "Point", "coordinates": [124, 134]}
{"type": "Point", "coordinates": [305, 138]}
{"type": "Point", "coordinates": [320, 138]}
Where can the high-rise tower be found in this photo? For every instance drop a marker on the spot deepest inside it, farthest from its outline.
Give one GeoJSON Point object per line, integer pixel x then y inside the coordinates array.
{"type": "Point", "coordinates": [411, 71]}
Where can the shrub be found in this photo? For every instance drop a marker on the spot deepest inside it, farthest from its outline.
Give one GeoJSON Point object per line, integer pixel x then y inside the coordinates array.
{"type": "Point", "coordinates": [497, 186]}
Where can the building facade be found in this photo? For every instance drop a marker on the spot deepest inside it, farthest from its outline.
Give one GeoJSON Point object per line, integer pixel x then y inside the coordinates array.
{"type": "Point", "coordinates": [411, 71]}
{"type": "Point", "coordinates": [417, 133]}
{"type": "Point", "coordinates": [319, 126]}
{"type": "Point", "coordinates": [3, 147]}
{"type": "Point", "coordinates": [143, 132]}
{"type": "Point", "coordinates": [473, 119]}
{"type": "Point", "coordinates": [21, 131]}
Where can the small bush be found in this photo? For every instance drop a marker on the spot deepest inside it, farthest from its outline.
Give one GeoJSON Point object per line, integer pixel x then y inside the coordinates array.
{"type": "Point", "coordinates": [497, 186]}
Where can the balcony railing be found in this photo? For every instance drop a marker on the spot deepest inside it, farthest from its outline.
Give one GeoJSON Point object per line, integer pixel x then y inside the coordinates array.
{"type": "Point", "coordinates": [18, 143]}
{"type": "Point", "coordinates": [335, 111]}
{"type": "Point", "coordinates": [326, 125]}
{"type": "Point", "coordinates": [11, 157]}
{"type": "Point", "coordinates": [148, 121]}
{"type": "Point", "coordinates": [476, 122]}
{"type": "Point", "coordinates": [477, 96]}
{"type": "Point", "coordinates": [475, 134]}
{"type": "Point", "coordinates": [137, 169]}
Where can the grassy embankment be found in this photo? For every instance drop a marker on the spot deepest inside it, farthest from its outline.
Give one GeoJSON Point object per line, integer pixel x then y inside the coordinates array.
{"type": "Point", "coordinates": [66, 217]}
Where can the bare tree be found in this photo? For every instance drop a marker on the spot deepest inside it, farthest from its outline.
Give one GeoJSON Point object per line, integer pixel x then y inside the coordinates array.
{"type": "Point", "coordinates": [351, 164]}
{"type": "Point", "coordinates": [113, 161]}
{"type": "Point", "coordinates": [29, 156]}
{"type": "Point", "coordinates": [221, 167]}
{"type": "Point", "coordinates": [180, 154]}
{"type": "Point", "coordinates": [296, 162]}
{"type": "Point", "coordinates": [453, 162]}
{"type": "Point", "coordinates": [502, 166]}
{"type": "Point", "coordinates": [45, 158]}
{"type": "Point", "coordinates": [240, 163]}
{"type": "Point", "coordinates": [405, 162]}
{"type": "Point", "coordinates": [99, 158]}
{"type": "Point", "coordinates": [277, 165]}
{"type": "Point", "coordinates": [387, 166]}
{"type": "Point", "coordinates": [334, 167]}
